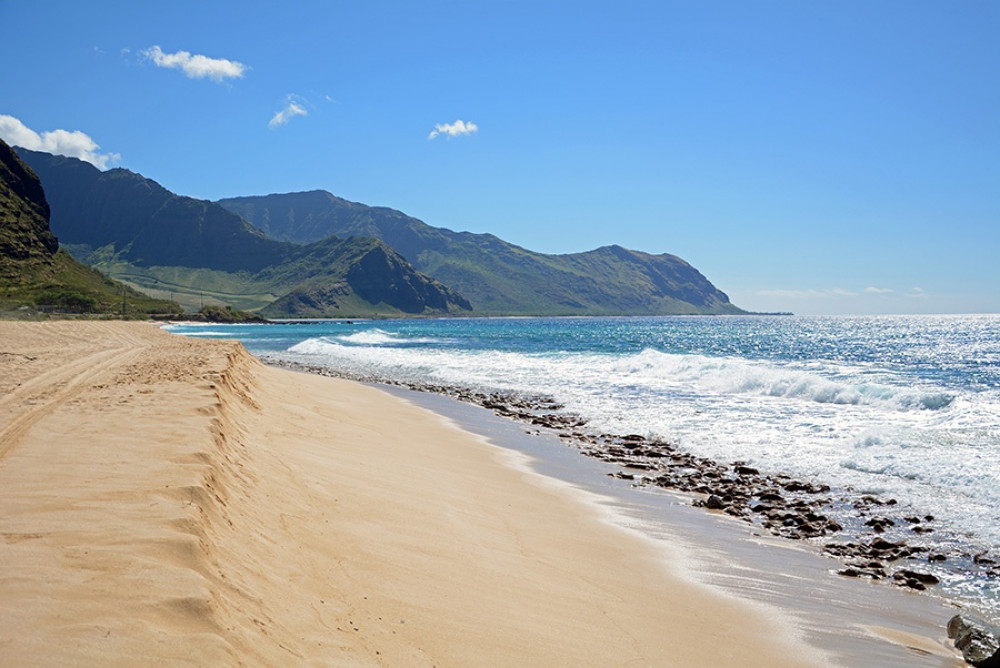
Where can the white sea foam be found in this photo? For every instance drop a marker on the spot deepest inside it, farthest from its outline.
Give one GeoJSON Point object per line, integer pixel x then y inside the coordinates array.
{"type": "Point", "coordinates": [379, 337]}
{"type": "Point", "coordinates": [208, 332]}
{"type": "Point", "coordinates": [723, 376]}
{"type": "Point", "coordinates": [847, 426]}
{"type": "Point", "coordinates": [907, 407]}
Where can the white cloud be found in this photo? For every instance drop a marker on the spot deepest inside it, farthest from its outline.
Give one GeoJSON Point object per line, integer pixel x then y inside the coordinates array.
{"type": "Point", "coordinates": [456, 129]}
{"type": "Point", "coordinates": [878, 291]}
{"type": "Point", "coordinates": [75, 144]}
{"type": "Point", "coordinates": [197, 66]}
{"type": "Point", "coordinates": [291, 110]}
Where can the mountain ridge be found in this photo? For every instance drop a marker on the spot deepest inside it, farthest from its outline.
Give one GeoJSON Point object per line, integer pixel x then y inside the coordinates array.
{"type": "Point", "coordinates": [496, 276]}
{"type": "Point", "coordinates": [132, 226]}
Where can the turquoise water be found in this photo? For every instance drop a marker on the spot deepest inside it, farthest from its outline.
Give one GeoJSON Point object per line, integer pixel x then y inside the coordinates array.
{"type": "Point", "coordinates": [906, 407]}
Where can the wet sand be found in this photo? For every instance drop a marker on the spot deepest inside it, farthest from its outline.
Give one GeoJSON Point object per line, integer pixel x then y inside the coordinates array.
{"type": "Point", "coordinates": [856, 621]}
{"type": "Point", "coordinates": [173, 501]}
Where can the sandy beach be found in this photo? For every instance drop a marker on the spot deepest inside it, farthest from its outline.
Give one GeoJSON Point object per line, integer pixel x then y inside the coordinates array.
{"type": "Point", "coordinates": [166, 500]}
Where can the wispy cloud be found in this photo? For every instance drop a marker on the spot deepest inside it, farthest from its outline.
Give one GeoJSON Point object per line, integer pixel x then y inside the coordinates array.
{"type": "Point", "coordinates": [456, 129]}
{"type": "Point", "coordinates": [75, 144]}
{"type": "Point", "coordinates": [196, 66]}
{"type": "Point", "coordinates": [835, 293]}
{"type": "Point", "coordinates": [291, 110]}
{"type": "Point", "coordinates": [809, 293]}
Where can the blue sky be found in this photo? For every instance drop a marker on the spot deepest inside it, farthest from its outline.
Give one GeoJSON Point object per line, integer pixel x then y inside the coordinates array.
{"type": "Point", "coordinates": [816, 157]}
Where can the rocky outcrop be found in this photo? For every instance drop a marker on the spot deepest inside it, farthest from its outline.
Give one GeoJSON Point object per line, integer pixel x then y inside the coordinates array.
{"type": "Point", "coordinates": [978, 640]}
{"type": "Point", "coordinates": [381, 276]}
{"type": "Point", "coordinates": [27, 245]}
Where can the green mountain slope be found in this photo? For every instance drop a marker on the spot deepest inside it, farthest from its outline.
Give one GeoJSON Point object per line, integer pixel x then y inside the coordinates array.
{"type": "Point", "coordinates": [146, 224]}
{"type": "Point", "coordinates": [496, 276]}
{"type": "Point", "coordinates": [166, 244]}
{"type": "Point", "coordinates": [356, 275]}
{"type": "Point", "coordinates": [34, 272]}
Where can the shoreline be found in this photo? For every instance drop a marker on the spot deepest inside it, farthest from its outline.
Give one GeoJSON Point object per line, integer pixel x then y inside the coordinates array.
{"type": "Point", "coordinates": [857, 622]}
{"type": "Point", "coordinates": [867, 535]}
{"type": "Point", "coordinates": [173, 500]}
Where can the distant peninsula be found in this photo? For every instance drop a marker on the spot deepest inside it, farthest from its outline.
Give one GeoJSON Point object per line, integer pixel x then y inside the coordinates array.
{"type": "Point", "coordinates": [498, 277]}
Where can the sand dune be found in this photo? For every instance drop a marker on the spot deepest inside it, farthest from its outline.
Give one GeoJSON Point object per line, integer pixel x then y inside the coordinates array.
{"type": "Point", "coordinates": [172, 501]}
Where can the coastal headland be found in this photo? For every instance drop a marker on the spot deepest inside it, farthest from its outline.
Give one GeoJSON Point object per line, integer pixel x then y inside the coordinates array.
{"type": "Point", "coordinates": [168, 500]}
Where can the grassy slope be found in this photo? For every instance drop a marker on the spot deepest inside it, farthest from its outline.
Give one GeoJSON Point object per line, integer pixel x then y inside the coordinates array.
{"type": "Point", "coordinates": [33, 273]}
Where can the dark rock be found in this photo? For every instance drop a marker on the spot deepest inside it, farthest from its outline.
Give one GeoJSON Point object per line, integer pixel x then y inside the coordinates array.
{"type": "Point", "coordinates": [795, 486]}
{"type": "Point", "coordinates": [862, 572]}
{"type": "Point", "coordinates": [978, 641]}
{"type": "Point", "coordinates": [925, 578]}
{"type": "Point", "coordinates": [910, 582]}
{"type": "Point", "coordinates": [715, 502]}
{"type": "Point", "coordinates": [883, 545]}
{"type": "Point", "coordinates": [811, 530]}
{"type": "Point", "coordinates": [880, 524]}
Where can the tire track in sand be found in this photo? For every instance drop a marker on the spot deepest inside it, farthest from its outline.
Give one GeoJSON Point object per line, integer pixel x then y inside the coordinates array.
{"type": "Point", "coordinates": [39, 396]}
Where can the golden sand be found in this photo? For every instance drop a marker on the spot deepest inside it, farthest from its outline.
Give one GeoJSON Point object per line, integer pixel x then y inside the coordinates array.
{"type": "Point", "coordinates": [166, 500]}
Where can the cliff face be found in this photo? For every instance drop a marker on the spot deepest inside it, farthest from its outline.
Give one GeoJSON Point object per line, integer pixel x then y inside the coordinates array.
{"type": "Point", "coordinates": [34, 272]}
{"type": "Point", "coordinates": [27, 246]}
{"type": "Point", "coordinates": [496, 276]}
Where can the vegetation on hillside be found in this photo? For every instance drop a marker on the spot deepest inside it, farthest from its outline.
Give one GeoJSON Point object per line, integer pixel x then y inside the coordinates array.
{"type": "Point", "coordinates": [201, 254]}
{"type": "Point", "coordinates": [498, 277]}
{"type": "Point", "coordinates": [38, 277]}
{"type": "Point", "coordinates": [333, 258]}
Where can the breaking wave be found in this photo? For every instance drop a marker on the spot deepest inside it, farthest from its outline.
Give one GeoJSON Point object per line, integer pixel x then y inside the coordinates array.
{"type": "Point", "coordinates": [740, 377]}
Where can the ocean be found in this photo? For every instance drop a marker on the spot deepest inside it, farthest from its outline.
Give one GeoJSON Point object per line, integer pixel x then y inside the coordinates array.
{"type": "Point", "coordinates": [905, 408]}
